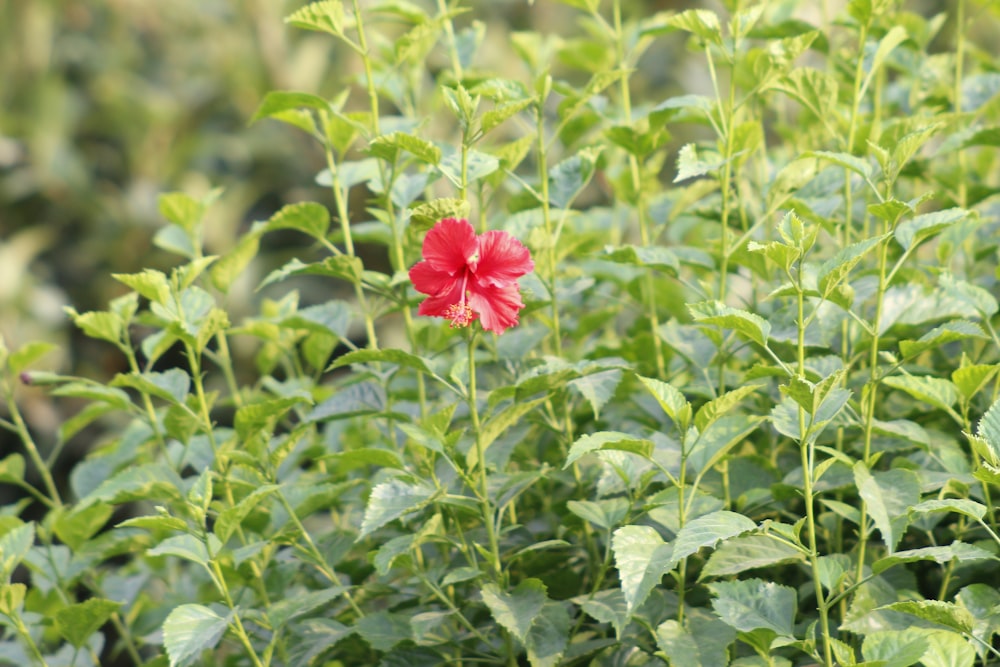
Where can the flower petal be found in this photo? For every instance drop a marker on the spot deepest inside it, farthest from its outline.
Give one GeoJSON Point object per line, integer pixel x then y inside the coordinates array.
{"type": "Point", "coordinates": [437, 305]}
{"type": "Point", "coordinates": [502, 259]}
{"type": "Point", "coordinates": [450, 244]}
{"type": "Point", "coordinates": [428, 280]}
{"type": "Point", "coordinates": [497, 306]}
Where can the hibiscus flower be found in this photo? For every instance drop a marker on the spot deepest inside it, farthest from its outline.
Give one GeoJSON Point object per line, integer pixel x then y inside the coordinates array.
{"type": "Point", "coordinates": [467, 276]}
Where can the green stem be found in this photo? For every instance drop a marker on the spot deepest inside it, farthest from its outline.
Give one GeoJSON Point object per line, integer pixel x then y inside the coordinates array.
{"type": "Point", "coordinates": [29, 444]}
{"type": "Point", "coordinates": [636, 176]}
{"type": "Point", "coordinates": [237, 624]}
{"type": "Point", "coordinates": [807, 454]}
{"type": "Point", "coordinates": [484, 493]}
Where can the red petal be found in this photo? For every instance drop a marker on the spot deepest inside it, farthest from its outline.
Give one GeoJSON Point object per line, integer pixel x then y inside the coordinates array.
{"type": "Point", "coordinates": [497, 306]}
{"type": "Point", "coordinates": [437, 305]}
{"type": "Point", "coordinates": [450, 244]}
{"type": "Point", "coordinates": [428, 280]}
{"type": "Point", "coordinates": [502, 259]}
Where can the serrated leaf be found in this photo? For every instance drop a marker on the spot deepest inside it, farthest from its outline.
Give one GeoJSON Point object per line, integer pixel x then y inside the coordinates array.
{"type": "Point", "coordinates": [190, 629]}
{"type": "Point", "coordinates": [917, 230]}
{"type": "Point", "coordinates": [307, 217]}
{"type": "Point", "coordinates": [391, 500]}
{"type": "Point", "coordinates": [836, 269]}
{"type": "Point", "coordinates": [701, 22]}
{"type": "Point", "coordinates": [568, 178]}
{"type": "Point", "coordinates": [171, 385]}
{"type": "Point", "coordinates": [671, 401]}
{"type": "Point", "coordinates": [187, 547]}
{"type": "Point", "coordinates": [478, 165]}
{"type": "Point", "coordinates": [389, 146]}
{"type": "Point", "coordinates": [14, 546]}
{"type": "Point", "coordinates": [690, 165]}
{"type": "Point", "coordinates": [383, 629]}
{"type": "Point", "coordinates": [711, 411]}
{"type": "Point", "coordinates": [747, 552]}
{"type": "Point", "coordinates": [517, 610]}
{"type": "Point", "coordinates": [751, 325]}
{"type": "Point", "coordinates": [946, 333]}
{"type": "Point", "coordinates": [753, 604]}
{"type": "Point", "coordinates": [181, 209]}
{"type": "Point", "coordinates": [969, 508]}
{"type": "Point", "coordinates": [608, 606]}
{"type": "Point", "coordinates": [707, 531]}
{"type": "Point", "coordinates": [701, 642]}
{"type": "Point", "coordinates": [549, 636]}
{"type": "Point", "coordinates": [608, 440]}
{"type": "Point", "coordinates": [502, 112]}
{"type": "Point", "coordinates": [98, 324]}
{"type": "Point", "coordinates": [322, 16]}
{"type": "Point", "coordinates": [938, 392]}
{"type": "Point", "coordinates": [77, 622]}
{"type": "Point", "coordinates": [149, 283]}
{"type": "Point", "coordinates": [598, 388]}
{"type": "Point", "coordinates": [642, 558]}
{"type": "Point", "coordinates": [427, 214]}
{"type": "Point", "coordinates": [959, 551]}
{"type": "Point", "coordinates": [943, 613]}
{"type": "Point", "coordinates": [656, 257]}
{"type": "Point", "coordinates": [895, 648]}
{"type": "Point", "coordinates": [846, 160]}
{"type": "Point", "coordinates": [889, 496]}
{"type": "Point", "coordinates": [971, 379]}
{"type": "Point", "coordinates": [498, 423]}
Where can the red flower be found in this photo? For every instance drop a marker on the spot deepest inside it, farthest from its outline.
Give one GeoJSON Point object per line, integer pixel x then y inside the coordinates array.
{"type": "Point", "coordinates": [467, 276]}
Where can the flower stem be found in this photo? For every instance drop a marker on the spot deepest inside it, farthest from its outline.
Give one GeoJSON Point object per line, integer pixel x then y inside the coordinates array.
{"type": "Point", "coordinates": [484, 491]}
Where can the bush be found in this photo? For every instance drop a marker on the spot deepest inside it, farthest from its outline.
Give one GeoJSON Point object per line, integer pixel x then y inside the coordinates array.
{"type": "Point", "coordinates": [529, 393]}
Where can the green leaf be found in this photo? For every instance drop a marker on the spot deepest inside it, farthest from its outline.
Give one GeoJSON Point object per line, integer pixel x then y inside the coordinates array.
{"type": "Point", "coordinates": [149, 283]}
{"type": "Point", "coordinates": [655, 257]}
{"type": "Point", "coordinates": [988, 431]}
{"type": "Point", "coordinates": [598, 388]}
{"type": "Point", "coordinates": [718, 407]}
{"type": "Point", "coordinates": [307, 217]}
{"type": "Point", "coordinates": [384, 629]}
{"type": "Point", "coordinates": [389, 146]}
{"type": "Point", "coordinates": [498, 423]}
{"type": "Point", "coordinates": [74, 527]}
{"type": "Point", "coordinates": [231, 517]}
{"type": "Point", "coordinates": [753, 604]}
{"type": "Point", "coordinates": [187, 547]}
{"type": "Point", "coordinates": [517, 610]}
{"type": "Point", "coordinates": [938, 392]}
{"type": "Point", "coordinates": [298, 604]}
{"type": "Point", "coordinates": [190, 629]}
{"type": "Point", "coordinates": [605, 440]}
{"type": "Point", "coordinates": [391, 500]}
{"type": "Point", "coordinates": [914, 232]}
{"type": "Point", "coordinates": [836, 269]}
{"type": "Point", "coordinates": [427, 214]}
{"type": "Point", "coordinates": [12, 599]}
{"type": "Point", "coordinates": [608, 606]}
{"type": "Point", "coordinates": [12, 469]}
{"type": "Point", "coordinates": [502, 112]}
{"type": "Point", "coordinates": [707, 531]}
{"type": "Point", "coordinates": [721, 436]}
{"type": "Point", "coordinates": [948, 649]}
{"type": "Point", "coordinates": [896, 36]}
{"type": "Point", "coordinates": [14, 546]}
{"type": "Point", "coordinates": [148, 481]}
{"type": "Point", "coordinates": [228, 268]}
{"type": "Point", "coordinates": [690, 165]}
{"type": "Point", "coordinates": [753, 326]}
{"type": "Point", "coordinates": [171, 385]}
{"type": "Point", "coordinates": [642, 558]}
{"type": "Point", "coordinates": [288, 106]}
{"type": "Point", "coordinates": [943, 613]}
{"type": "Point", "coordinates": [322, 16]}
{"type": "Point", "coordinates": [701, 22]}
{"type": "Point", "coordinates": [671, 401]}
{"type": "Point", "coordinates": [895, 648]}
{"type": "Point", "coordinates": [702, 641]}
{"type": "Point", "coordinates": [478, 165]}
{"type": "Point", "coordinates": [386, 356]}
{"type": "Point", "coordinates": [948, 332]}
{"type": "Point", "coordinates": [959, 551]}
{"type": "Point", "coordinates": [77, 622]}
{"type": "Point", "coordinates": [568, 178]}
{"type": "Point", "coordinates": [549, 635]}
{"type": "Point", "coordinates": [746, 552]}
{"type": "Point", "coordinates": [855, 164]}
{"type": "Point", "coordinates": [606, 513]}
{"type": "Point", "coordinates": [99, 324]}
{"type": "Point", "coordinates": [969, 508]}
{"type": "Point", "coordinates": [181, 209]}
{"type": "Point", "coordinates": [889, 495]}
{"type": "Point", "coordinates": [971, 379]}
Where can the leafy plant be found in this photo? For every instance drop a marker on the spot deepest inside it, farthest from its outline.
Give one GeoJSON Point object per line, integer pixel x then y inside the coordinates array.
{"type": "Point", "coordinates": [746, 417]}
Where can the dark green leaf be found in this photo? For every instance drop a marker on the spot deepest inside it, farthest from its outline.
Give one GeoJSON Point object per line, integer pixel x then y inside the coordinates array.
{"type": "Point", "coordinates": [517, 610]}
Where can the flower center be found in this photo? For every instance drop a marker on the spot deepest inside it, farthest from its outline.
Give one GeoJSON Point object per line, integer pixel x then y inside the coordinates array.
{"type": "Point", "coordinates": [460, 313]}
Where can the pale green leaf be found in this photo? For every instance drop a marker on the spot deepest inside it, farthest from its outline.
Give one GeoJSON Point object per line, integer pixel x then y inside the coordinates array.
{"type": "Point", "coordinates": [753, 604]}
{"type": "Point", "coordinates": [190, 629]}
{"type": "Point", "coordinates": [517, 610]}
